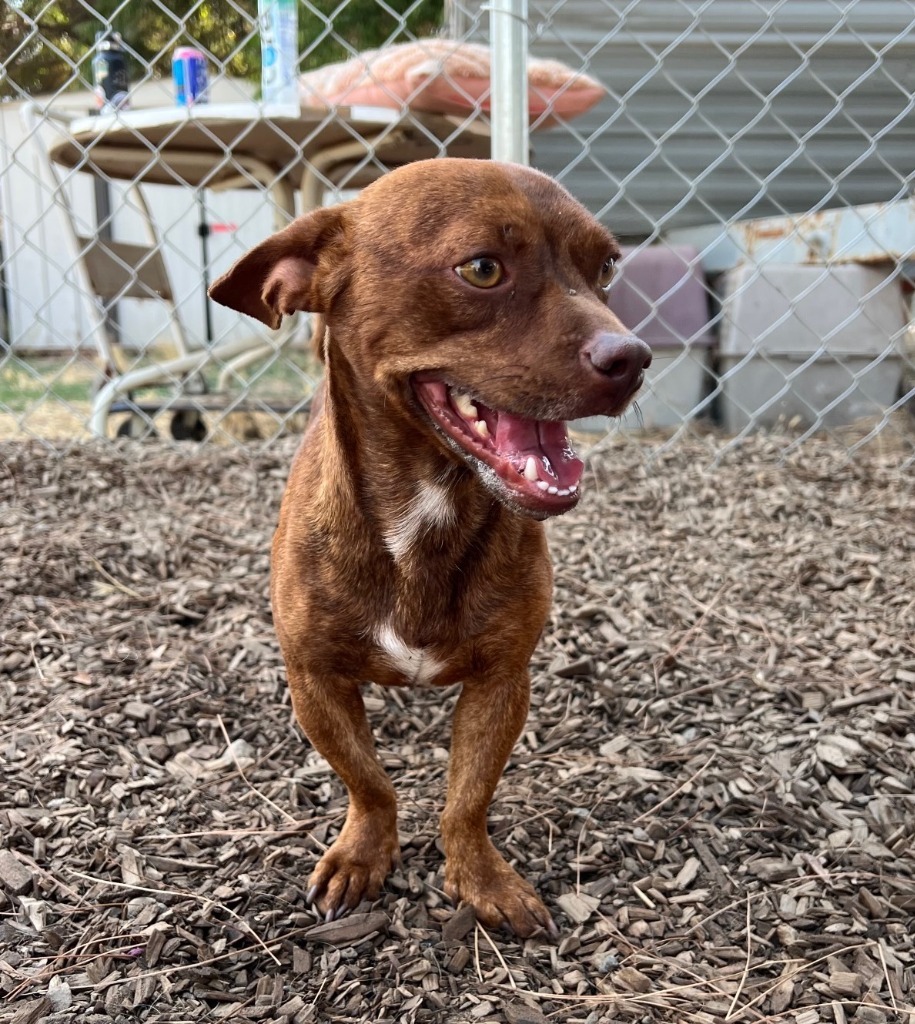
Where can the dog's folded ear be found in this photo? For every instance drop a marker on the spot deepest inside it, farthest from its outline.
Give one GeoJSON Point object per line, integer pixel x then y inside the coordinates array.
{"type": "Point", "coordinates": [289, 271]}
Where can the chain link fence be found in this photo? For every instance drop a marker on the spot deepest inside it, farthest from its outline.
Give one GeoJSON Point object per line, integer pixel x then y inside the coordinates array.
{"type": "Point", "coordinates": [754, 156]}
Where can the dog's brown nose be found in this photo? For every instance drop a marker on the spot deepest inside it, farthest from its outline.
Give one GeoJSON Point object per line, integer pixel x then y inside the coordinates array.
{"type": "Point", "coordinates": [621, 357]}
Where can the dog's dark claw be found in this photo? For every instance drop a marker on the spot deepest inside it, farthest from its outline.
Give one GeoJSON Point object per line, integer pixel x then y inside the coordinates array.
{"type": "Point", "coordinates": [551, 929]}
{"type": "Point", "coordinates": [340, 911]}
{"type": "Point", "coordinates": [329, 915]}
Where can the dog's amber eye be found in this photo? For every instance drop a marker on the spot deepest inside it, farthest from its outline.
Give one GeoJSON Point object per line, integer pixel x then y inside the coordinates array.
{"type": "Point", "coordinates": [606, 272]}
{"type": "Point", "coordinates": [483, 272]}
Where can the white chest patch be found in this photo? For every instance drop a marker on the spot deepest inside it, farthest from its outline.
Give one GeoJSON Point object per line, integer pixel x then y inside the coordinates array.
{"type": "Point", "coordinates": [432, 507]}
{"type": "Point", "coordinates": [417, 665]}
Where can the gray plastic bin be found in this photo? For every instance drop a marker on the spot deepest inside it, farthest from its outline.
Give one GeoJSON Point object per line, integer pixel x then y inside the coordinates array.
{"type": "Point", "coordinates": [818, 343]}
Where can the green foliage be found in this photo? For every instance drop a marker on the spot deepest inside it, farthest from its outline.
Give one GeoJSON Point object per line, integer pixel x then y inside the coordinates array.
{"type": "Point", "coordinates": [47, 46]}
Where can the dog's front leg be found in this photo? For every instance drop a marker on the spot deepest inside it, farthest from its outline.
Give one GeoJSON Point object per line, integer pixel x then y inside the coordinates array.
{"type": "Point", "coordinates": [488, 718]}
{"type": "Point", "coordinates": [332, 714]}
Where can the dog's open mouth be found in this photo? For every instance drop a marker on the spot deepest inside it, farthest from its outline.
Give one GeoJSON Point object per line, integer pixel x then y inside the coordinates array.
{"type": "Point", "coordinates": [532, 459]}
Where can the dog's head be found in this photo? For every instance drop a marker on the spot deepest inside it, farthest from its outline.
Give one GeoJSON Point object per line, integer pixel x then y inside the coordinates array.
{"type": "Point", "coordinates": [470, 298]}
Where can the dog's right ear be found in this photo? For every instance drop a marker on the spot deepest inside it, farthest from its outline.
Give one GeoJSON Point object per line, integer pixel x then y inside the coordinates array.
{"type": "Point", "coordinates": [288, 271]}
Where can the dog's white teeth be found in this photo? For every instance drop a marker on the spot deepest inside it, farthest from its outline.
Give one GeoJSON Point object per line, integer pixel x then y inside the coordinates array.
{"type": "Point", "coordinates": [560, 492]}
{"type": "Point", "coordinates": [464, 405]}
{"type": "Point", "coordinates": [480, 427]}
{"type": "Point", "coordinates": [530, 469]}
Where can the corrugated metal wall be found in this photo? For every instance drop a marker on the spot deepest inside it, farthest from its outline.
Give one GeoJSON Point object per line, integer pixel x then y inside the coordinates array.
{"type": "Point", "coordinates": [731, 108]}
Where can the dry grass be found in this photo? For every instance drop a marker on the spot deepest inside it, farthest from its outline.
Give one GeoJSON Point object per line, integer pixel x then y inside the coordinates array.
{"type": "Point", "coordinates": [50, 398]}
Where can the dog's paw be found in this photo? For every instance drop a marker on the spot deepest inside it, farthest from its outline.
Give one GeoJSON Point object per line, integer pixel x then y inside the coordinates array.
{"type": "Point", "coordinates": [352, 870]}
{"type": "Point", "coordinates": [498, 894]}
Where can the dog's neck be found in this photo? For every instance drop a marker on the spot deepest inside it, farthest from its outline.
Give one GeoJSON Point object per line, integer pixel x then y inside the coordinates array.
{"type": "Point", "coordinates": [414, 499]}
{"type": "Point", "coordinates": [407, 488]}
{"type": "Point", "coordinates": [417, 524]}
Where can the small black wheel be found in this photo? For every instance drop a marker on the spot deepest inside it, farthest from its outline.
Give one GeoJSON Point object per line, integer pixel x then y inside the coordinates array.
{"type": "Point", "coordinates": [137, 426]}
{"type": "Point", "coordinates": [188, 425]}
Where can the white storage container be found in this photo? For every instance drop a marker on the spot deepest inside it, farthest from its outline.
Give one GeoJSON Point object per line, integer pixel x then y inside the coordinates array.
{"type": "Point", "coordinates": [818, 343]}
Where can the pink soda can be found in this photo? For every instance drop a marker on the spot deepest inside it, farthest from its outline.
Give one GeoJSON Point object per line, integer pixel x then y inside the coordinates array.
{"type": "Point", "coordinates": [189, 73]}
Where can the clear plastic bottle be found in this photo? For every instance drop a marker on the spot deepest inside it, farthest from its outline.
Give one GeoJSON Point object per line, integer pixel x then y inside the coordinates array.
{"type": "Point", "coordinates": [279, 51]}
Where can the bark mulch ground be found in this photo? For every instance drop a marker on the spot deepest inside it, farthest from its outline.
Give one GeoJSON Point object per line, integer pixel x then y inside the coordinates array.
{"type": "Point", "coordinates": [715, 792]}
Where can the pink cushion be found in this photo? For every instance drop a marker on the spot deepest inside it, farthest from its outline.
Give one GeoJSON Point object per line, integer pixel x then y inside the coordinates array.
{"type": "Point", "coordinates": [445, 77]}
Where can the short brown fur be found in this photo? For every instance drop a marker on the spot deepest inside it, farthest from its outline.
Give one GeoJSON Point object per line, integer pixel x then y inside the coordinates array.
{"type": "Point", "coordinates": [471, 592]}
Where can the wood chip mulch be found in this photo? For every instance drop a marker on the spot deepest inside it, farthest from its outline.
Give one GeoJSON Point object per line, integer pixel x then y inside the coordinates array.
{"type": "Point", "coordinates": [715, 792]}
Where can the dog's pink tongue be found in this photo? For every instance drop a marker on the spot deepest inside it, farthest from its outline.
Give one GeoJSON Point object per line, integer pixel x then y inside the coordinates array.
{"type": "Point", "coordinates": [546, 441]}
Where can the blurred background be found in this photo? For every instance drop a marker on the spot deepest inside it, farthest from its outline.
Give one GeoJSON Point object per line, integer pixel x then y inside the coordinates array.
{"type": "Point", "coordinates": [754, 158]}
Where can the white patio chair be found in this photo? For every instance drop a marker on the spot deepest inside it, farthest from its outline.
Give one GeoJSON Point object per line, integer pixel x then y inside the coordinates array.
{"type": "Point", "coordinates": [106, 271]}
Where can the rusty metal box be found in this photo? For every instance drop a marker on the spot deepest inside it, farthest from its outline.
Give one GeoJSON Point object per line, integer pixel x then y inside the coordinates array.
{"type": "Point", "coordinates": [816, 344]}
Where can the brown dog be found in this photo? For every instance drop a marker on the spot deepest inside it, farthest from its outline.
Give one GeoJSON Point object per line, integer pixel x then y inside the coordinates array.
{"type": "Point", "coordinates": [466, 319]}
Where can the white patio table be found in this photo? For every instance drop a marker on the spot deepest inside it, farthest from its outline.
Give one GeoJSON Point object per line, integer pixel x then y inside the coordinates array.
{"type": "Point", "coordinates": [234, 145]}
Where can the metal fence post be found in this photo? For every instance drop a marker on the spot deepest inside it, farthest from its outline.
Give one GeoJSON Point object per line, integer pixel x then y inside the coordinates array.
{"type": "Point", "coordinates": [508, 30]}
